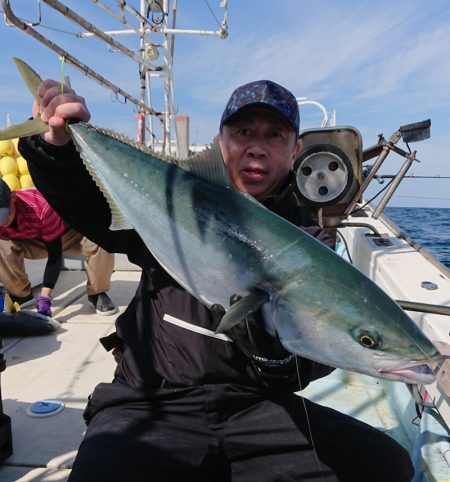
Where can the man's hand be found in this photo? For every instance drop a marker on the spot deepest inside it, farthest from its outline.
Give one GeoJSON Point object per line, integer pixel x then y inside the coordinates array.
{"type": "Point", "coordinates": [253, 339]}
{"type": "Point", "coordinates": [274, 366]}
{"type": "Point", "coordinates": [57, 106]}
{"type": "Point", "coordinates": [270, 362]}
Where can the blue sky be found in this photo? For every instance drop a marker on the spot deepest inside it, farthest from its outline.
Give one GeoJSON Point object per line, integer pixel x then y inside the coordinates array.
{"type": "Point", "coordinates": [378, 64]}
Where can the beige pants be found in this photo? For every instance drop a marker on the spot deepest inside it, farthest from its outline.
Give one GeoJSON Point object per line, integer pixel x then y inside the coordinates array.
{"type": "Point", "coordinates": [99, 263]}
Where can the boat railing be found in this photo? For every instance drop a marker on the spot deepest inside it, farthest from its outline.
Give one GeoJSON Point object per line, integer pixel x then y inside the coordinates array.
{"type": "Point", "coordinates": [326, 119]}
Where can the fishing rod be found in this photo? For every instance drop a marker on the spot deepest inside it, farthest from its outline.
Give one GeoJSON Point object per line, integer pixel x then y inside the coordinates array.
{"type": "Point", "coordinates": [424, 307]}
{"type": "Point", "coordinates": [411, 176]}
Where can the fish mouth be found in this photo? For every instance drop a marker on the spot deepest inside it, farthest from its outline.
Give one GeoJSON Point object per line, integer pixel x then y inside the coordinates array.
{"type": "Point", "coordinates": [405, 370]}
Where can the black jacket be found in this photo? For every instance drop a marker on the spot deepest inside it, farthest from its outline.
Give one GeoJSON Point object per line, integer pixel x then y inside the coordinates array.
{"type": "Point", "coordinates": [153, 347]}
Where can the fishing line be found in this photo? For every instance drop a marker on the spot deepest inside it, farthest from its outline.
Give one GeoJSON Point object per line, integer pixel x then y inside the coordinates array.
{"type": "Point", "coordinates": [308, 422]}
{"type": "Point", "coordinates": [62, 59]}
{"type": "Point", "coordinates": [344, 241]}
{"type": "Point", "coordinates": [374, 197]}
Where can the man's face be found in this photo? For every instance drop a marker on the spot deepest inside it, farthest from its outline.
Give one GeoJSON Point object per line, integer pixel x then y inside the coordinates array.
{"type": "Point", "coordinates": [258, 148]}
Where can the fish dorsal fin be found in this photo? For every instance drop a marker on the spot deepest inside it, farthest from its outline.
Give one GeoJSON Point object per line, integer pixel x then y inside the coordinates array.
{"type": "Point", "coordinates": [124, 139]}
{"type": "Point", "coordinates": [242, 309]}
{"type": "Point", "coordinates": [207, 164]}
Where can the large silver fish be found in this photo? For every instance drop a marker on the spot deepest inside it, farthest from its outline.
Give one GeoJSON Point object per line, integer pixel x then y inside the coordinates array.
{"type": "Point", "coordinates": [216, 241]}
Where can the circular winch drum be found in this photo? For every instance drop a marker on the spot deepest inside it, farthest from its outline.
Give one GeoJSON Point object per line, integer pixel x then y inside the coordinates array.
{"type": "Point", "coordinates": [324, 174]}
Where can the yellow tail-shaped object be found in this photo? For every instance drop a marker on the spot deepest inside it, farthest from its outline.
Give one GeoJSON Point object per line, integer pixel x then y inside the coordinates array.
{"type": "Point", "coordinates": [10, 306]}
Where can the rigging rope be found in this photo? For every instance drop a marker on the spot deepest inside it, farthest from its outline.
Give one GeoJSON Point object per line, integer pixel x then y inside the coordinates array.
{"type": "Point", "coordinates": [212, 12]}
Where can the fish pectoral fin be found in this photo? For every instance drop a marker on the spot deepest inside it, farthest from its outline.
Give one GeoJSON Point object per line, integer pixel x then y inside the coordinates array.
{"type": "Point", "coordinates": [242, 309]}
{"type": "Point", "coordinates": [28, 128]}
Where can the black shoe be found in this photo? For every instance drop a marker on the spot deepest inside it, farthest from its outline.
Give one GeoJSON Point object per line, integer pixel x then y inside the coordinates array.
{"type": "Point", "coordinates": [23, 301]}
{"type": "Point", "coordinates": [102, 304]}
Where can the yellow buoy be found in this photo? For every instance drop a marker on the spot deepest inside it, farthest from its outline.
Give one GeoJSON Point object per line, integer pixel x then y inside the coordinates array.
{"type": "Point", "coordinates": [26, 181]}
{"type": "Point", "coordinates": [8, 165]}
{"type": "Point", "coordinates": [15, 142]}
{"type": "Point", "coordinates": [12, 181]}
{"type": "Point", "coordinates": [7, 148]}
{"type": "Point", "coordinates": [22, 166]}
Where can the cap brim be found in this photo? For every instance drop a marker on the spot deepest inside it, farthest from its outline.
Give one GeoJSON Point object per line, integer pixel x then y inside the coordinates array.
{"type": "Point", "coordinates": [4, 215]}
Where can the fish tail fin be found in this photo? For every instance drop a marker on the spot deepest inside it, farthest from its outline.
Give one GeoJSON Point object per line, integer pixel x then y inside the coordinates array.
{"type": "Point", "coordinates": [31, 126]}
{"type": "Point", "coordinates": [9, 305]}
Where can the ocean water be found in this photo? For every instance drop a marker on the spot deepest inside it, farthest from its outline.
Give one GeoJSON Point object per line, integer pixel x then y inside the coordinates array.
{"type": "Point", "coordinates": [430, 227]}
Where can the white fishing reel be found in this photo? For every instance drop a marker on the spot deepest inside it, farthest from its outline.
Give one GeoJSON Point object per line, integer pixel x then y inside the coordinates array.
{"type": "Point", "coordinates": [324, 174]}
{"type": "Point", "coordinates": [328, 169]}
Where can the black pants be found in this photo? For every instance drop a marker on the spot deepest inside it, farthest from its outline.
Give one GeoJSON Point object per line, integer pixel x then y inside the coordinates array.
{"type": "Point", "coordinates": [222, 433]}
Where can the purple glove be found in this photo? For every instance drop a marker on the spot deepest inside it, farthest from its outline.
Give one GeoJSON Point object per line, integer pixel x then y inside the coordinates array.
{"type": "Point", "coordinates": [43, 305]}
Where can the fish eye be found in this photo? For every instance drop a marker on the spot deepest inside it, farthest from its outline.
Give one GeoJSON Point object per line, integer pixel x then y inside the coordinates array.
{"type": "Point", "coordinates": [368, 339]}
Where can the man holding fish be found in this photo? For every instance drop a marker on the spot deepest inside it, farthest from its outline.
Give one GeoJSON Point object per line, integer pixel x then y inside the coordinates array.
{"type": "Point", "coordinates": [206, 375]}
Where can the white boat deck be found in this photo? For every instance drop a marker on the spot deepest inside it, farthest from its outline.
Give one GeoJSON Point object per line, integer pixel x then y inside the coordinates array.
{"type": "Point", "coordinates": [67, 364]}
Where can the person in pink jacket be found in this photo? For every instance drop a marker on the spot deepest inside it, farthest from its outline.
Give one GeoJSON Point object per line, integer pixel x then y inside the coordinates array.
{"type": "Point", "coordinates": [31, 229]}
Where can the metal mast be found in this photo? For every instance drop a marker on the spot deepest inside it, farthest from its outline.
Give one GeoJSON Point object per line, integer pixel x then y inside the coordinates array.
{"type": "Point", "coordinates": [150, 24]}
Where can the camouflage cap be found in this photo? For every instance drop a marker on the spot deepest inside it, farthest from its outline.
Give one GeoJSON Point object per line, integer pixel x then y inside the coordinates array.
{"type": "Point", "coordinates": [5, 199]}
{"type": "Point", "coordinates": [264, 93]}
